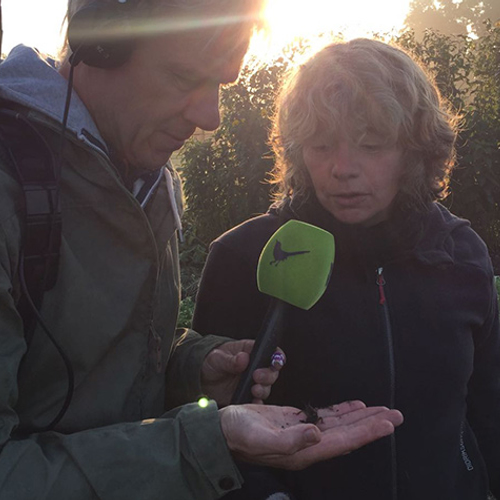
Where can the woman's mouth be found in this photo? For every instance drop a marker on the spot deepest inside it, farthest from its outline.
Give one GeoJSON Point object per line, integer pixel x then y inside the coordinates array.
{"type": "Point", "coordinates": [349, 199]}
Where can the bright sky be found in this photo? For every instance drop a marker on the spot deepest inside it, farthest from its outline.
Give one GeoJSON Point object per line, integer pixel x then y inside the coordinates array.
{"type": "Point", "coordinates": [32, 22]}
{"type": "Point", "coordinates": [38, 23]}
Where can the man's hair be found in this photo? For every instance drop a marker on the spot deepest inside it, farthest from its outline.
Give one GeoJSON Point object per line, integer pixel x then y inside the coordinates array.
{"type": "Point", "coordinates": [152, 6]}
{"type": "Point", "coordinates": [359, 87]}
{"type": "Point", "coordinates": [149, 10]}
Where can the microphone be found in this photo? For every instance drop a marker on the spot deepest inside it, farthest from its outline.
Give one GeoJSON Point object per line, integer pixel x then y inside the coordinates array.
{"type": "Point", "coordinates": [294, 268]}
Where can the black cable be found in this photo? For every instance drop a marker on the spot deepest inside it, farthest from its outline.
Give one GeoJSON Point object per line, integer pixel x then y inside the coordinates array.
{"type": "Point", "coordinates": [54, 209]}
{"type": "Point", "coordinates": [69, 92]}
{"type": "Point", "coordinates": [64, 356]}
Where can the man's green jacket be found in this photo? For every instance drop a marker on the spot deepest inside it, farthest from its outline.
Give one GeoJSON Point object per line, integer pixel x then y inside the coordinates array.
{"type": "Point", "coordinates": [113, 311]}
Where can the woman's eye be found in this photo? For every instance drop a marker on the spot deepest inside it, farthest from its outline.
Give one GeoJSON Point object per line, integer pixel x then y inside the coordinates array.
{"type": "Point", "coordinates": [371, 143]}
{"type": "Point", "coordinates": [371, 147]}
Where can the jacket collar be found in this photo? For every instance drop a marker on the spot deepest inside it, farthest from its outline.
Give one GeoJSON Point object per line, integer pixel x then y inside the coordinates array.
{"type": "Point", "coordinates": [424, 235]}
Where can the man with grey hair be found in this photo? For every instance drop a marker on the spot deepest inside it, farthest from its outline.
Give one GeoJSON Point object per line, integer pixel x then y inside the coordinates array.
{"type": "Point", "coordinates": [140, 77]}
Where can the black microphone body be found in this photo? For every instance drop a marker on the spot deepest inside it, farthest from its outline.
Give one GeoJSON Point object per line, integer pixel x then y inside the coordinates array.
{"type": "Point", "coordinates": [265, 345]}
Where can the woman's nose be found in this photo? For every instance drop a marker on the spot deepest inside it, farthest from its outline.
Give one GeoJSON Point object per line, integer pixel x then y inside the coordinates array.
{"type": "Point", "coordinates": [343, 164]}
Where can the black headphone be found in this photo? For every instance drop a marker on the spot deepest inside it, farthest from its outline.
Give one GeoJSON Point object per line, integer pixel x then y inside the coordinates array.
{"type": "Point", "coordinates": [86, 34]}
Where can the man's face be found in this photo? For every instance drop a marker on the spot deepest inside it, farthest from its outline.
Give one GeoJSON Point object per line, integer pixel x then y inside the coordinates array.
{"type": "Point", "coordinates": [146, 109]}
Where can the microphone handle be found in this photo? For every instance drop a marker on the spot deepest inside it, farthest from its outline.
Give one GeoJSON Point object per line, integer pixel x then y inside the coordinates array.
{"type": "Point", "coordinates": [263, 349]}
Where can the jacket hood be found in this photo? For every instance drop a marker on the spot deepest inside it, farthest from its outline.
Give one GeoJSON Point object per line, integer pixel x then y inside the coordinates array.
{"type": "Point", "coordinates": [426, 235]}
{"type": "Point", "coordinates": [32, 80]}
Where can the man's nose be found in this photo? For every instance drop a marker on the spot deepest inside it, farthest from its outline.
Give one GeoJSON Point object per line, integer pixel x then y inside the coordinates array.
{"type": "Point", "coordinates": [202, 110]}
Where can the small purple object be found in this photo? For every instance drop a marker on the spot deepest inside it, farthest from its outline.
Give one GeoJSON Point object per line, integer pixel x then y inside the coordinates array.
{"type": "Point", "coordinates": [278, 360]}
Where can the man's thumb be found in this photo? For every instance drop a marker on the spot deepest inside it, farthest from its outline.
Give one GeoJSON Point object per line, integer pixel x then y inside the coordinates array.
{"type": "Point", "coordinates": [312, 436]}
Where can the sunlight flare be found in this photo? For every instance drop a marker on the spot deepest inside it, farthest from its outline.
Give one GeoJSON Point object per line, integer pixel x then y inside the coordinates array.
{"type": "Point", "coordinates": [289, 20]}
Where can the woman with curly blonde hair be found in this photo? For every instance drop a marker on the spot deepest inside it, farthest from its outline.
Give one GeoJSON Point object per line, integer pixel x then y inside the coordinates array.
{"type": "Point", "coordinates": [364, 146]}
{"type": "Point", "coordinates": [360, 88]}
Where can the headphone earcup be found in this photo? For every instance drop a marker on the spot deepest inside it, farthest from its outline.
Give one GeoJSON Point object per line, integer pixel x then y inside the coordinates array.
{"type": "Point", "coordinates": [90, 39]}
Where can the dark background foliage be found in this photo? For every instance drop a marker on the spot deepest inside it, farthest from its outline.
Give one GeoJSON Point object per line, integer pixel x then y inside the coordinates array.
{"type": "Point", "coordinates": [225, 176]}
{"type": "Point", "coordinates": [450, 16]}
{"type": "Point", "coordinates": [467, 72]}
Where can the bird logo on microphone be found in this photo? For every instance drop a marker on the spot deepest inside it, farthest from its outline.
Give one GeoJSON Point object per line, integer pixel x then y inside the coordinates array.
{"type": "Point", "coordinates": [281, 255]}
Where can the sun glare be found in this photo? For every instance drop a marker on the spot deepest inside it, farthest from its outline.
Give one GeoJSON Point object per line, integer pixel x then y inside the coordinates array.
{"type": "Point", "coordinates": [288, 20]}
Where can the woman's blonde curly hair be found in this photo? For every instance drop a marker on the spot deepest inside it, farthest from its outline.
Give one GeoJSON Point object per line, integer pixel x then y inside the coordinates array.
{"type": "Point", "coordinates": [358, 87]}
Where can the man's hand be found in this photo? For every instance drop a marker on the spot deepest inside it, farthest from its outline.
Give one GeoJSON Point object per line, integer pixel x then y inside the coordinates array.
{"type": "Point", "coordinates": [279, 437]}
{"type": "Point", "coordinates": [223, 366]}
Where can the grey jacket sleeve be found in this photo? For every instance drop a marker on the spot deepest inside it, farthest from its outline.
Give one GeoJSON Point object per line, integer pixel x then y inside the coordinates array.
{"type": "Point", "coordinates": [183, 381]}
{"type": "Point", "coordinates": [182, 454]}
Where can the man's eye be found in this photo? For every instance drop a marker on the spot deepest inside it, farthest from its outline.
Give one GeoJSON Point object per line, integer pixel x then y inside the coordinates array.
{"type": "Point", "coordinates": [186, 84]}
{"type": "Point", "coordinates": [321, 148]}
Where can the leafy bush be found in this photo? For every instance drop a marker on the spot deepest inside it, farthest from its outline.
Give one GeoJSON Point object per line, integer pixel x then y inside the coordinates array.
{"type": "Point", "coordinates": [225, 176]}
{"type": "Point", "coordinates": [185, 313]}
{"type": "Point", "coordinates": [467, 73]}
{"type": "Point", "coordinates": [452, 16]}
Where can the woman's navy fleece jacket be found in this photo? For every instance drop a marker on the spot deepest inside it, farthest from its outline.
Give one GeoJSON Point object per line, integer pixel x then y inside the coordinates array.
{"type": "Point", "coordinates": [410, 321]}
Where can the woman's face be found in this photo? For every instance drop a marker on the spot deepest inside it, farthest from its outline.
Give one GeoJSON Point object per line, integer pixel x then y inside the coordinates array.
{"type": "Point", "coordinates": [356, 183]}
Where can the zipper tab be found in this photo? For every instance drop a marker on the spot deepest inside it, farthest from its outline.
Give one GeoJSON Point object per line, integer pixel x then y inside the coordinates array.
{"type": "Point", "coordinates": [155, 346]}
{"type": "Point", "coordinates": [159, 362]}
{"type": "Point", "coordinates": [381, 283]}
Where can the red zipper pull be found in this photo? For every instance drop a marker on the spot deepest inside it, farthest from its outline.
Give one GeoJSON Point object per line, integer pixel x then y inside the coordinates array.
{"type": "Point", "coordinates": [381, 283]}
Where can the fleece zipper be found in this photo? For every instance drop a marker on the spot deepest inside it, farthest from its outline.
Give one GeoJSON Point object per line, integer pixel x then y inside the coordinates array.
{"type": "Point", "coordinates": [387, 330]}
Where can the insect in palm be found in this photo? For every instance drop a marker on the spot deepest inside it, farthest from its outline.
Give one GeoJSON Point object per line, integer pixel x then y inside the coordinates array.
{"type": "Point", "coordinates": [311, 414]}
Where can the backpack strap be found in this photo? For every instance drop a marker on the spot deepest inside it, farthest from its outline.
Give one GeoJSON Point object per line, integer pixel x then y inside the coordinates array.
{"type": "Point", "coordinates": [35, 168]}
